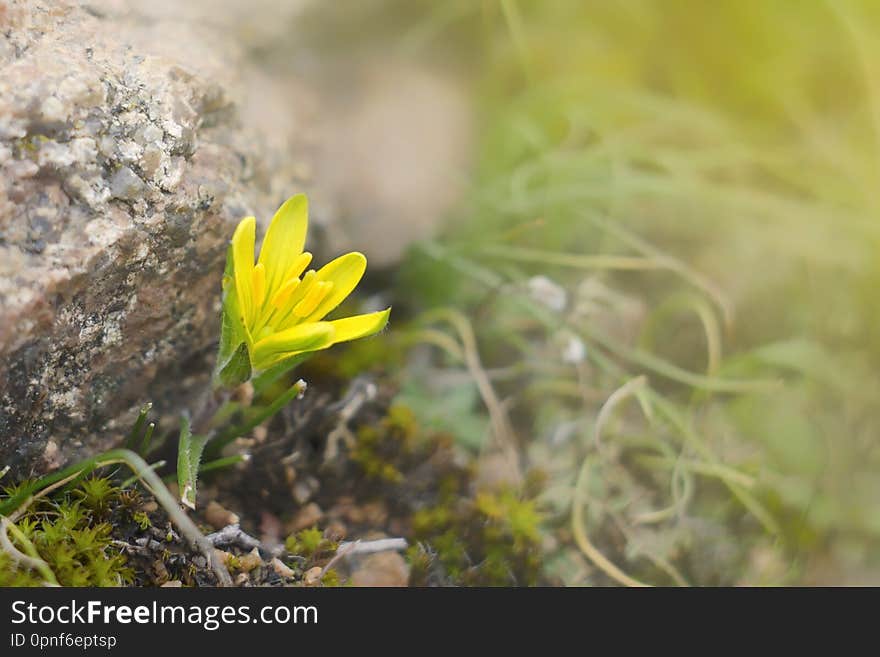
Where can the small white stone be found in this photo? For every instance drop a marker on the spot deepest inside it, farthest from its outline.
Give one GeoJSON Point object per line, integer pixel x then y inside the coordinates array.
{"type": "Point", "coordinates": [153, 162]}
{"type": "Point", "coordinates": [573, 350]}
{"type": "Point", "coordinates": [547, 292]}
{"type": "Point", "coordinates": [54, 154]}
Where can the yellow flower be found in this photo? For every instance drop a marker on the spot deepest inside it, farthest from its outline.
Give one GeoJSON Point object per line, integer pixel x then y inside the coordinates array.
{"type": "Point", "coordinates": [274, 309]}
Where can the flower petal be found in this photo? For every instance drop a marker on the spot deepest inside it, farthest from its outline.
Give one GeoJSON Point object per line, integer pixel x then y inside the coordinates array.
{"type": "Point", "coordinates": [243, 265]}
{"type": "Point", "coordinates": [345, 273]}
{"type": "Point", "coordinates": [304, 337]}
{"type": "Point", "coordinates": [359, 326]}
{"type": "Point", "coordinates": [285, 239]}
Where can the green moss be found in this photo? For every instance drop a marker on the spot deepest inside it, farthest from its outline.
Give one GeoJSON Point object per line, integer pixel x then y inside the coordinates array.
{"type": "Point", "coordinates": [507, 516]}
{"type": "Point", "coordinates": [331, 578]}
{"type": "Point", "coordinates": [419, 560]}
{"type": "Point", "coordinates": [141, 519]}
{"type": "Point", "coordinates": [380, 448]}
{"type": "Point", "coordinates": [313, 549]}
{"type": "Point", "coordinates": [309, 543]}
{"type": "Point", "coordinates": [490, 540]}
{"type": "Point", "coordinates": [73, 537]}
{"type": "Point", "coordinates": [96, 494]}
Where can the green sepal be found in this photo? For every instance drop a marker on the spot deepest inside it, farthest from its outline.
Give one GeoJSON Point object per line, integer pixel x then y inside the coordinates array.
{"type": "Point", "coordinates": [236, 370]}
{"type": "Point", "coordinates": [233, 359]}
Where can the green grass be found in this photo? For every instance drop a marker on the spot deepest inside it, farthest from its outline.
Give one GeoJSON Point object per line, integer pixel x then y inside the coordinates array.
{"type": "Point", "coordinates": [703, 181]}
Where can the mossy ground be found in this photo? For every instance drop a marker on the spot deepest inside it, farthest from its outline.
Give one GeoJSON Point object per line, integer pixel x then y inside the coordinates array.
{"type": "Point", "coordinates": [74, 535]}
{"type": "Point", "coordinates": [378, 473]}
{"type": "Point", "coordinates": [387, 477]}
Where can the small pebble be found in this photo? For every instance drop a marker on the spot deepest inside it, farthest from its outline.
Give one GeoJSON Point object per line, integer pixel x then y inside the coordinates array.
{"type": "Point", "coordinates": [270, 529]}
{"type": "Point", "coordinates": [335, 531]}
{"type": "Point", "coordinates": [308, 516]}
{"type": "Point", "coordinates": [312, 576]}
{"type": "Point", "coordinates": [218, 516]}
{"type": "Point", "coordinates": [250, 560]}
{"type": "Point", "coordinates": [381, 569]}
{"type": "Point", "coordinates": [375, 513]}
{"type": "Point", "coordinates": [304, 489]}
{"type": "Point", "coordinates": [281, 568]}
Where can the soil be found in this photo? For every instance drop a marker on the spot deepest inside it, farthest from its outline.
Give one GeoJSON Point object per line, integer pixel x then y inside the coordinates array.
{"type": "Point", "coordinates": [344, 464]}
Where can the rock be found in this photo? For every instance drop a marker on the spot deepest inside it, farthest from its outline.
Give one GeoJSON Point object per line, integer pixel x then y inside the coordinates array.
{"type": "Point", "coordinates": [125, 163]}
{"type": "Point", "coordinates": [303, 489]}
{"type": "Point", "coordinates": [388, 147]}
{"type": "Point", "coordinates": [375, 513]}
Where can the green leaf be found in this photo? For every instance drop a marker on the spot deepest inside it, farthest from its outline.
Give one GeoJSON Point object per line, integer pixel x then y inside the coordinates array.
{"type": "Point", "coordinates": [451, 410]}
{"type": "Point", "coordinates": [189, 455]}
{"type": "Point", "coordinates": [233, 359]}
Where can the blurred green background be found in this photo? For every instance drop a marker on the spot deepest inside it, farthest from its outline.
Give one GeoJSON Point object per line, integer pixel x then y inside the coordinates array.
{"type": "Point", "coordinates": [683, 191]}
